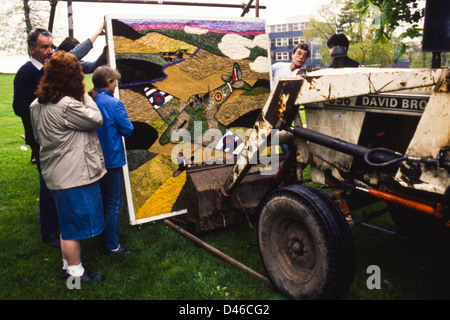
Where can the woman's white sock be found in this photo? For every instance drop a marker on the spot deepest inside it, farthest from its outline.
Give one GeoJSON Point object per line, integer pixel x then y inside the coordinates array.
{"type": "Point", "coordinates": [76, 271]}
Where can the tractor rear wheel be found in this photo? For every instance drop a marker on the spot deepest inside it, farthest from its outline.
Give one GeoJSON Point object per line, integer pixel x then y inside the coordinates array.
{"type": "Point", "coordinates": [306, 244]}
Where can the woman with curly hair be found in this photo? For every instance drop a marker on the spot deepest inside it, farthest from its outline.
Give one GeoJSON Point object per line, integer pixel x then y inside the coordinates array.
{"type": "Point", "coordinates": [65, 119]}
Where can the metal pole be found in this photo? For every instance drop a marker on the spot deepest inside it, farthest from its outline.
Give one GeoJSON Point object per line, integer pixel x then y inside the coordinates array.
{"type": "Point", "coordinates": [436, 60]}
{"type": "Point", "coordinates": [70, 17]}
{"type": "Point", "coordinates": [160, 2]}
{"type": "Point", "coordinates": [218, 253]}
{"type": "Point", "coordinates": [53, 4]}
{"type": "Point", "coordinates": [246, 8]}
{"type": "Point", "coordinates": [249, 5]}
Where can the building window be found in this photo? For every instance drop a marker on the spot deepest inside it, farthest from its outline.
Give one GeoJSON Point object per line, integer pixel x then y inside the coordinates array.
{"type": "Point", "coordinates": [282, 56]}
{"type": "Point", "coordinates": [281, 28]}
{"type": "Point", "coordinates": [317, 55]}
{"type": "Point", "coordinates": [296, 41]}
{"type": "Point", "coordinates": [298, 26]}
{"type": "Point", "coordinates": [281, 42]}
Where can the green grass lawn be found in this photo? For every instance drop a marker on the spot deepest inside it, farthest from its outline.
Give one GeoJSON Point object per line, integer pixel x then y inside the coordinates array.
{"type": "Point", "coordinates": [168, 266]}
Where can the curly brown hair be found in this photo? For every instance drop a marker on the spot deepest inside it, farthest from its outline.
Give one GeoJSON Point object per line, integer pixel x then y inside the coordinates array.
{"type": "Point", "coordinates": [63, 76]}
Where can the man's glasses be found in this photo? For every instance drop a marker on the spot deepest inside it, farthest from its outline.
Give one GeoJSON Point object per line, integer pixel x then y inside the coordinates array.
{"type": "Point", "coordinates": [304, 55]}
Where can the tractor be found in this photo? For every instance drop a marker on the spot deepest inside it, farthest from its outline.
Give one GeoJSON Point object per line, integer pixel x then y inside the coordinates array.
{"type": "Point", "coordinates": [371, 134]}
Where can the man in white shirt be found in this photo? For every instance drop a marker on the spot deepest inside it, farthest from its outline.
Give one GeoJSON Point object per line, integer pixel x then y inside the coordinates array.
{"type": "Point", "coordinates": [285, 69]}
{"type": "Point", "coordinates": [40, 44]}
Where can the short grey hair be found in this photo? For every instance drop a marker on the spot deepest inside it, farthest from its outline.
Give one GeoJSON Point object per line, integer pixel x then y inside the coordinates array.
{"type": "Point", "coordinates": [34, 35]}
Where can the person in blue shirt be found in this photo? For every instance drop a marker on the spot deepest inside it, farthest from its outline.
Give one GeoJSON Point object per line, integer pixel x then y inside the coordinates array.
{"type": "Point", "coordinates": [116, 125]}
{"type": "Point", "coordinates": [70, 43]}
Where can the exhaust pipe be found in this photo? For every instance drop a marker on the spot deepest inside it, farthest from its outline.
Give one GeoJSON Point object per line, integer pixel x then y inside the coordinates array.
{"type": "Point", "coordinates": [377, 157]}
{"type": "Point", "coordinates": [340, 145]}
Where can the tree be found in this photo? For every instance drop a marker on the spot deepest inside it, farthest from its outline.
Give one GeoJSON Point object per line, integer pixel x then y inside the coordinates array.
{"type": "Point", "coordinates": [393, 14]}
{"type": "Point", "coordinates": [322, 26]}
{"type": "Point", "coordinates": [362, 32]}
{"type": "Point", "coordinates": [18, 18]}
{"type": "Point", "coordinates": [420, 59]}
{"type": "Point", "coordinates": [344, 18]}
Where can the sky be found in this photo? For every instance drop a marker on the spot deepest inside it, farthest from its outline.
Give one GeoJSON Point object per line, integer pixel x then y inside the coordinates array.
{"type": "Point", "coordinates": [88, 16]}
{"type": "Point", "coordinates": [276, 10]}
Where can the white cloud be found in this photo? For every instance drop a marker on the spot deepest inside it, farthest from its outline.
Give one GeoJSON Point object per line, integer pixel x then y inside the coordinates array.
{"type": "Point", "coordinates": [193, 30]}
{"type": "Point", "coordinates": [261, 64]}
{"type": "Point", "coordinates": [236, 47]}
{"type": "Point", "coordinates": [261, 41]}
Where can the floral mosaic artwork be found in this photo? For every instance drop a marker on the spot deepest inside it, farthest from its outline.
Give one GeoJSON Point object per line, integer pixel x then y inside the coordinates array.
{"type": "Point", "coordinates": [181, 80]}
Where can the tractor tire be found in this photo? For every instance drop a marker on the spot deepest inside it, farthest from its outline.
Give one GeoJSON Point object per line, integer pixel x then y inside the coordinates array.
{"type": "Point", "coordinates": [306, 244]}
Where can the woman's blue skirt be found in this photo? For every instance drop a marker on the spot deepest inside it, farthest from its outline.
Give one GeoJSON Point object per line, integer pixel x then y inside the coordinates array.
{"type": "Point", "coordinates": [80, 211]}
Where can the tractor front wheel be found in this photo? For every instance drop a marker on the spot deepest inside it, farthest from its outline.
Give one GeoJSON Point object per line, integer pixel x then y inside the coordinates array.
{"type": "Point", "coordinates": [306, 244]}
